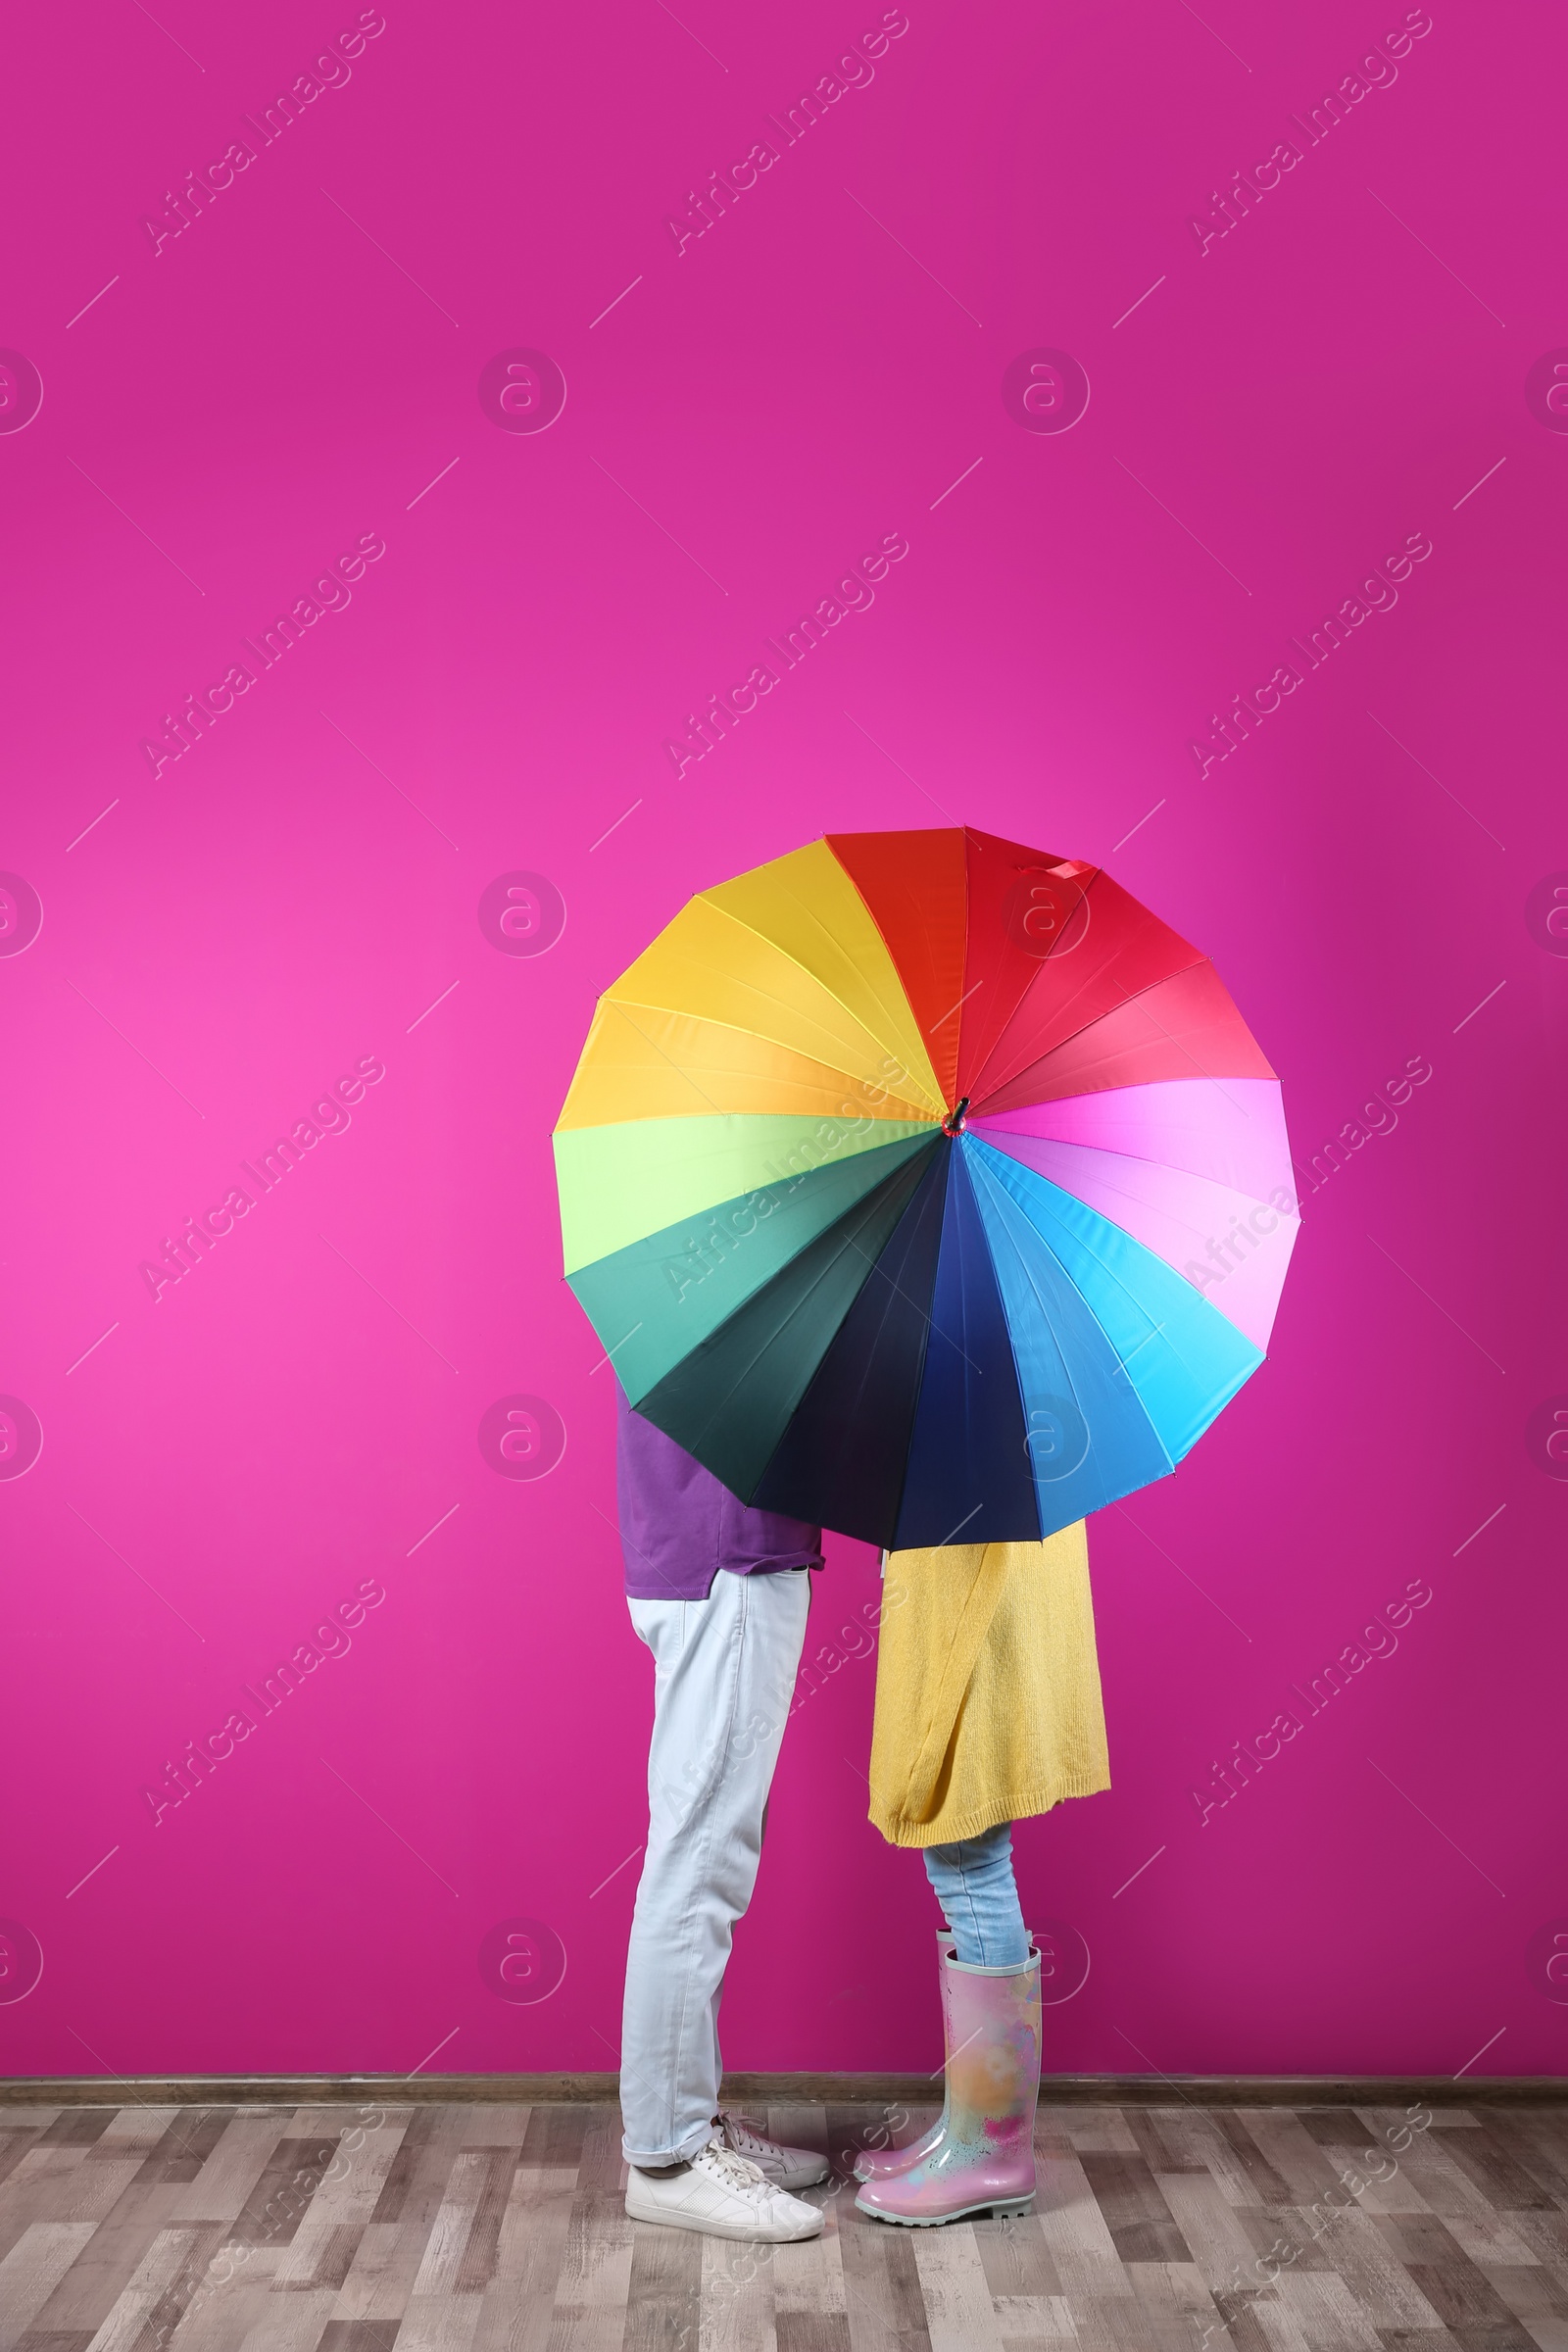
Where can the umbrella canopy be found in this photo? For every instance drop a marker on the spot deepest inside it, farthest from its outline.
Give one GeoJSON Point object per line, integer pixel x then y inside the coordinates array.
{"type": "Point", "coordinates": [926, 1187]}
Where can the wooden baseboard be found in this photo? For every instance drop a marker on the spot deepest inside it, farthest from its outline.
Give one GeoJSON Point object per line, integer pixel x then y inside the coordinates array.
{"type": "Point", "coordinates": [752, 2090]}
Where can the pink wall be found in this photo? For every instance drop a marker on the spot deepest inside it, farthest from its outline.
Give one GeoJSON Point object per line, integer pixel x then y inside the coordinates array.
{"type": "Point", "coordinates": [313, 888]}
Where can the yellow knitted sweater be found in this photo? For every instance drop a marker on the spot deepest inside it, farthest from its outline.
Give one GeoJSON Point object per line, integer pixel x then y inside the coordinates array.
{"type": "Point", "coordinates": [987, 1702]}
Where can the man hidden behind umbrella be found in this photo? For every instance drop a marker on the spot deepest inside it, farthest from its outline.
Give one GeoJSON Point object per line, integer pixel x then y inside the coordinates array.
{"type": "Point", "coordinates": [719, 1593]}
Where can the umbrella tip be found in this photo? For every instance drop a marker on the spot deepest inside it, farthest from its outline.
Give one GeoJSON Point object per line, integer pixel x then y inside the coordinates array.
{"type": "Point", "coordinates": [953, 1124]}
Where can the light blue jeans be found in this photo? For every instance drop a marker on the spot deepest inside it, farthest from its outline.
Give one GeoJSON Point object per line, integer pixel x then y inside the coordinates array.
{"type": "Point", "coordinates": [979, 1898]}
{"type": "Point", "coordinates": [724, 1674]}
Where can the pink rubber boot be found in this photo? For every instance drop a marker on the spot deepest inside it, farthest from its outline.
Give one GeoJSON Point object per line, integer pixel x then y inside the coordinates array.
{"type": "Point", "coordinates": [985, 2159]}
{"type": "Point", "coordinates": [884, 2163]}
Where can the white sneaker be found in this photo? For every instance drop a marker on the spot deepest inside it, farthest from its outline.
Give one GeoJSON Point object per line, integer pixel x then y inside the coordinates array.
{"type": "Point", "coordinates": [786, 2168]}
{"type": "Point", "coordinates": [721, 2195]}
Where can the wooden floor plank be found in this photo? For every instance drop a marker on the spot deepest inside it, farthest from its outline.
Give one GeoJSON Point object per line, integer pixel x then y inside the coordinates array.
{"type": "Point", "coordinates": [811, 2332]}
{"type": "Point", "coordinates": [220, 2317]}
{"type": "Point", "coordinates": [1243, 2330]}
{"type": "Point", "coordinates": [478, 2227]}
{"type": "Point", "coordinates": [1328, 2313]}
{"type": "Point", "coordinates": [234, 2164]}
{"type": "Point", "coordinates": [1197, 2138]}
{"type": "Point", "coordinates": [80, 2126]}
{"type": "Point", "coordinates": [664, 2291]}
{"type": "Point", "coordinates": [1215, 2231]}
{"type": "Point", "coordinates": [136, 2127]}
{"type": "Point", "coordinates": [1546, 2233]}
{"type": "Point", "coordinates": [89, 2289]}
{"type": "Point", "coordinates": [1026, 2322]}
{"type": "Point", "coordinates": [1141, 2226]}
{"type": "Point", "coordinates": [531, 2238]}
{"type": "Point", "coordinates": [33, 2270]}
{"type": "Point", "coordinates": [1310, 2167]}
{"type": "Point", "coordinates": [1356, 2249]}
{"type": "Point", "coordinates": [1533, 2294]}
{"type": "Point", "coordinates": [595, 2276]}
{"type": "Point", "coordinates": [511, 2318]}
{"type": "Point", "coordinates": [956, 2292]}
{"type": "Point", "coordinates": [1497, 2172]}
{"type": "Point", "coordinates": [375, 2289]}
{"type": "Point", "coordinates": [1092, 2130]}
{"type": "Point", "coordinates": [1492, 2240]}
{"type": "Point", "coordinates": [288, 2323]}
{"type": "Point", "coordinates": [46, 2162]}
{"type": "Point", "coordinates": [91, 2190]}
{"type": "Point", "coordinates": [16, 2140]}
{"type": "Point", "coordinates": [1280, 2325]}
{"type": "Point", "coordinates": [146, 2287]}
{"type": "Point", "coordinates": [417, 2180]}
{"type": "Point", "coordinates": [882, 2298]}
{"type": "Point", "coordinates": [1265, 2185]}
{"type": "Point", "coordinates": [503, 2125]}
{"type": "Point", "coordinates": [434, 2323]}
{"type": "Point", "coordinates": [808, 2277]}
{"type": "Point", "coordinates": [1125, 2323]}
{"type": "Point", "coordinates": [1172, 2286]}
{"type": "Point", "coordinates": [186, 2146]}
{"type": "Point", "coordinates": [190, 2284]}
{"type": "Point", "coordinates": [1386, 2189]}
{"type": "Point", "coordinates": [284, 2188]}
{"type": "Point", "coordinates": [481, 2252]}
{"type": "Point", "coordinates": [320, 2255]}
{"type": "Point", "coordinates": [1155, 2144]}
{"type": "Point", "coordinates": [466, 2183]}
{"type": "Point", "coordinates": [736, 2296]}
{"type": "Point", "coordinates": [1459, 2291]}
{"type": "Point", "coordinates": [1445, 2183]}
{"type": "Point", "coordinates": [1017, 2260]}
{"type": "Point", "coordinates": [1077, 2236]}
{"type": "Point", "coordinates": [1537, 2143]}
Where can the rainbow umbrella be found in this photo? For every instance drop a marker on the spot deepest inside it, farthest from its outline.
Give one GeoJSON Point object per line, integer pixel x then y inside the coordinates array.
{"type": "Point", "coordinates": [926, 1187]}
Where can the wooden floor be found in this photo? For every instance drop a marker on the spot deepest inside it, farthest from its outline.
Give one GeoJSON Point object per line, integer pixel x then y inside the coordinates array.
{"type": "Point", "coordinates": [495, 2228]}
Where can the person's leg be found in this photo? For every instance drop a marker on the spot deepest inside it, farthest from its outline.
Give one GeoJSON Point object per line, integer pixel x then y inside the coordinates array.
{"type": "Point", "coordinates": [979, 1896]}
{"type": "Point", "coordinates": [982, 2156]}
{"type": "Point", "coordinates": [725, 1674]}
{"type": "Point", "coordinates": [877, 2163]}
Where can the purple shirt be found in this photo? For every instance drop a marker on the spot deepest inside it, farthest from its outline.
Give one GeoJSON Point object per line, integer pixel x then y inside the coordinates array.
{"type": "Point", "coordinates": [678, 1526]}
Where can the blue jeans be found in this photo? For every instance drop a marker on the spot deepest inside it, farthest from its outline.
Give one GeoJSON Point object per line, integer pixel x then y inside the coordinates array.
{"type": "Point", "coordinates": [724, 1674]}
{"type": "Point", "coordinates": [979, 1898]}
